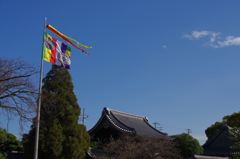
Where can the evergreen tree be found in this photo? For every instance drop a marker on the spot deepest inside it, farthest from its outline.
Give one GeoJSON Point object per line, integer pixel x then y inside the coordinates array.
{"type": "Point", "coordinates": [3, 137]}
{"type": "Point", "coordinates": [9, 142]}
{"type": "Point", "coordinates": [231, 120]}
{"type": "Point", "coordinates": [60, 135]}
{"type": "Point", "coordinates": [187, 145]}
{"type": "Point", "coordinates": [3, 155]}
{"type": "Point", "coordinates": [235, 136]}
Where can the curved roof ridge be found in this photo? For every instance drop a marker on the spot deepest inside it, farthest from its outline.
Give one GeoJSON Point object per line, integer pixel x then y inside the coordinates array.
{"type": "Point", "coordinates": [98, 122]}
{"type": "Point", "coordinates": [126, 122]}
{"type": "Point", "coordinates": [107, 114]}
{"type": "Point", "coordinates": [115, 118]}
{"type": "Point", "coordinates": [114, 123]}
{"type": "Point", "coordinates": [123, 113]}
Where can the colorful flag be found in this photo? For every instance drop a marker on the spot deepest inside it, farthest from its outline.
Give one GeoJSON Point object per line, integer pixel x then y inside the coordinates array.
{"type": "Point", "coordinates": [56, 52]}
{"type": "Point", "coordinates": [66, 38]}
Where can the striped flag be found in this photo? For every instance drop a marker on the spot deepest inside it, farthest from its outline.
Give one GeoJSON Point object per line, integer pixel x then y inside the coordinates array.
{"type": "Point", "coordinates": [56, 52]}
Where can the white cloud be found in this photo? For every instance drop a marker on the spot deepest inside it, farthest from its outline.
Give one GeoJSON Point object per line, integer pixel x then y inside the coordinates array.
{"type": "Point", "coordinates": [213, 36]}
{"type": "Point", "coordinates": [229, 41]}
{"type": "Point", "coordinates": [164, 46]}
{"type": "Point", "coordinates": [213, 45]}
{"type": "Point", "coordinates": [198, 34]}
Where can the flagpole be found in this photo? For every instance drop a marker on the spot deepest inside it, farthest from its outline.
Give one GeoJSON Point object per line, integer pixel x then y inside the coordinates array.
{"type": "Point", "coordinates": [39, 101]}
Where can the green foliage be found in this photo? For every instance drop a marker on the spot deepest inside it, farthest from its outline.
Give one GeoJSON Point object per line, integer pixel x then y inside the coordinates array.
{"type": "Point", "coordinates": [9, 142]}
{"type": "Point", "coordinates": [93, 144]}
{"type": "Point", "coordinates": [60, 135]}
{"type": "Point", "coordinates": [235, 136]}
{"type": "Point", "coordinates": [214, 129]}
{"type": "Point", "coordinates": [231, 120]}
{"type": "Point", "coordinates": [3, 135]}
{"type": "Point", "coordinates": [3, 155]}
{"type": "Point", "coordinates": [187, 145]}
{"type": "Point", "coordinates": [28, 142]}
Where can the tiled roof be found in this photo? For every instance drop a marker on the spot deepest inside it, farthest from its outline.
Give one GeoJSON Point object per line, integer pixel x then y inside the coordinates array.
{"type": "Point", "coordinates": [219, 151]}
{"type": "Point", "coordinates": [222, 150]}
{"type": "Point", "coordinates": [129, 123]}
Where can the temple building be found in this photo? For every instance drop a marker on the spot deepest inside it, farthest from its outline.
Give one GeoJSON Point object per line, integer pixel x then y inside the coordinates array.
{"type": "Point", "coordinates": [114, 124]}
{"type": "Point", "coordinates": [219, 144]}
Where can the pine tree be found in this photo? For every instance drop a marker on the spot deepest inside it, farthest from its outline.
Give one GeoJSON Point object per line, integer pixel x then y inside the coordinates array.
{"type": "Point", "coordinates": [60, 135]}
{"type": "Point", "coordinates": [234, 135]}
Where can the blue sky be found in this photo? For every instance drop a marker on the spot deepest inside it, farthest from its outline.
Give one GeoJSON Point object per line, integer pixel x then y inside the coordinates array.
{"type": "Point", "coordinates": [175, 62]}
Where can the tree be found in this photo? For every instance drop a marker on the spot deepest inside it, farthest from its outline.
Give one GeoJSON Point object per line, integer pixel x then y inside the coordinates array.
{"type": "Point", "coordinates": [214, 129]}
{"type": "Point", "coordinates": [232, 120]}
{"type": "Point", "coordinates": [141, 147]}
{"type": "Point", "coordinates": [235, 136]}
{"type": "Point", "coordinates": [8, 142]}
{"type": "Point", "coordinates": [60, 135]}
{"type": "Point", "coordinates": [3, 137]}
{"type": "Point", "coordinates": [18, 93]}
{"type": "Point", "coordinates": [187, 145]}
{"type": "Point", "coordinates": [3, 155]}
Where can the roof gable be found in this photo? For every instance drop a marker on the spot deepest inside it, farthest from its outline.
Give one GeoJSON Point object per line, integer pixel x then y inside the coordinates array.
{"type": "Point", "coordinates": [220, 139]}
{"type": "Point", "coordinates": [220, 143]}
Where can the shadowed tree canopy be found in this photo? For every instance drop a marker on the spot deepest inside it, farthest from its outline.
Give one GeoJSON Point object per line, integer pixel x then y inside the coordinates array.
{"type": "Point", "coordinates": [232, 120]}
{"type": "Point", "coordinates": [187, 145]}
{"type": "Point", "coordinates": [9, 142]}
{"type": "Point", "coordinates": [3, 155]}
{"type": "Point", "coordinates": [60, 135]}
{"type": "Point", "coordinates": [18, 93]}
{"type": "Point", "coordinates": [235, 136]}
{"type": "Point", "coordinates": [141, 147]}
{"type": "Point", "coordinates": [3, 137]}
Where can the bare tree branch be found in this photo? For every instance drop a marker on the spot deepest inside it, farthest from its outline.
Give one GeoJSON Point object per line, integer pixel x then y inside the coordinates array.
{"type": "Point", "coordinates": [18, 93]}
{"type": "Point", "coordinates": [141, 147]}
